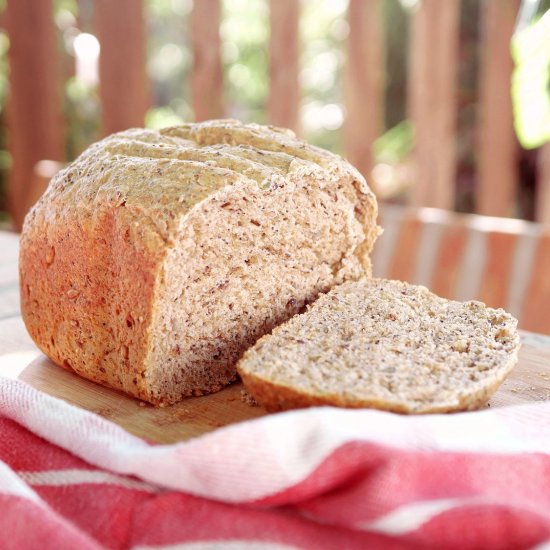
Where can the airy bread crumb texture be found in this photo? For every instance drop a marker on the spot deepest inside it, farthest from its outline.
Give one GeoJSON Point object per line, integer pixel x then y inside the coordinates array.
{"type": "Point", "coordinates": [383, 344]}
{"type": "Point", "coordinates": [245, 261]}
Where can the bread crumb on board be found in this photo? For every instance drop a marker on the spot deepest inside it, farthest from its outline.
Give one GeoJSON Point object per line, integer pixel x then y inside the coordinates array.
{"type": "Point", "coordinates": [248, 399]}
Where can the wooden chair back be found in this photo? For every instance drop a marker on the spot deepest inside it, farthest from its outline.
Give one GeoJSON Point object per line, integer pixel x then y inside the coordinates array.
{"type": "Point", "coordinates": [500, 261]}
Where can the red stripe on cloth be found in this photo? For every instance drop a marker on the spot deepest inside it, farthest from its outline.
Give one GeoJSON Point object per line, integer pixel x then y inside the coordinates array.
{"type": "Point", "coordinates": [23, 450]}
{"type": "Point", "coordinates": [187, 518]}
{"type": "Point", "coordinates": [491, 527]}
{"type": "Point", "coordinates": [27, 525]}
{"type": "Point", "coordinates": [103, 512]}
{"type": "Point", "coordinates": [360, 481]}
{"type": "Point", "coordinates": [360, 484]}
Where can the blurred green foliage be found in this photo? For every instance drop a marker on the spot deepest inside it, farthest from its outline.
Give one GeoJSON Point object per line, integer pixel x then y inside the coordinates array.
{"type": "Point", "coordinates": [395, 145]}
{"type": "Point", "coordinates": [169, 62]}
{"type": "Point", "coordinates": [396, 28]}
{"type": "Point", "coordinates": [531, 82]}
{"type": "Point", "coordinates": [323, 31]}
{"type": "Point", "coordinates": [81, 105]}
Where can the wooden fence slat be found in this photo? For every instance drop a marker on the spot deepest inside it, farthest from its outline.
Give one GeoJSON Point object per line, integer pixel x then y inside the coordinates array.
{"type": "Point", "coordinates": [34, 106]}
{"type": "Point", "coordinates": [207, 75]}
{"type": "Point", "coordinates": [364, 83]}
{"type": "Point", "coordinates": [497, 173]}
{"type": "Point", "coordinates": [284, 56]}
{"type": "Point", "coordinates": [542, 197]}
{"type": "Point", "coordinates": [432, 76]}
{"type": "Point", "coordinates": [120, 28]}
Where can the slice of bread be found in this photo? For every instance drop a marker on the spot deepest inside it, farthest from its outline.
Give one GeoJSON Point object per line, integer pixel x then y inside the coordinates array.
{"type": "Point", "coordinates": [383, 344]}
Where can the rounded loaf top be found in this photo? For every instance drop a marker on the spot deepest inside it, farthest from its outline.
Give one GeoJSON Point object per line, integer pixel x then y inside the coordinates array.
{"type": "Point", "coordinates": [164, 173]}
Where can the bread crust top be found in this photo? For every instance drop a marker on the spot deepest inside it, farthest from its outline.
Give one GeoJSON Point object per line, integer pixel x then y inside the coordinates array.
{"type": "Point", "coordinates": [163, 174]}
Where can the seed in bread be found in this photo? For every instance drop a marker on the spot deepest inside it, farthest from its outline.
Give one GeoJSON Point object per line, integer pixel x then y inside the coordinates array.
{"type": "Point", "coordinates": [157, 257]}
{"type": "Point", "coordinates": [383, 344]}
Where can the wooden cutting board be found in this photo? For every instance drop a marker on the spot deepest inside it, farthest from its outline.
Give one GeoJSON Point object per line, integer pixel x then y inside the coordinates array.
{"type": "Point", "coordinates": [528, 382]}
{"type": "Point", "coordinates": [193, 417]}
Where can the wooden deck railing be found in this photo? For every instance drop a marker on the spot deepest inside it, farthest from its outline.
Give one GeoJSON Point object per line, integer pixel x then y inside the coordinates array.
{"type": "Point", "coordinates": [37, 129]}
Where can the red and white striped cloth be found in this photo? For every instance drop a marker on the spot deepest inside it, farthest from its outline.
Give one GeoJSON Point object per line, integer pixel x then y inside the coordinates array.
{"type": "Point", "coordinates": [317, 478]}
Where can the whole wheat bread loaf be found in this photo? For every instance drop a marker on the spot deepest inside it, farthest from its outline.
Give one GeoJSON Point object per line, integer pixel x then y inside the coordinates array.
{"type": "Point", "coordinates": [157, 257]}
{"type": "Point", "coordinates": [383, 344]}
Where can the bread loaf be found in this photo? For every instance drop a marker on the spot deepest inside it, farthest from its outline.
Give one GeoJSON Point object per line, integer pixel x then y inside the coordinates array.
{"type": "Point", "coordinates": [157, 257]}
{"type": "Point", "coordinates": [383, 344]}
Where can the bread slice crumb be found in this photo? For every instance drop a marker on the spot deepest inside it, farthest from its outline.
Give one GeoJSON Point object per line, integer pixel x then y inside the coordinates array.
{"type": "Point", "coordinates": [384, 344]}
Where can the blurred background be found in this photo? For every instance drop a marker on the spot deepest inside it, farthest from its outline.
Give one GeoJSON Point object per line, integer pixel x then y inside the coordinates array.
{"type": "Point", "coordinates": [443, 105]}
{"type": "Point", "coordinates": [417, 94]}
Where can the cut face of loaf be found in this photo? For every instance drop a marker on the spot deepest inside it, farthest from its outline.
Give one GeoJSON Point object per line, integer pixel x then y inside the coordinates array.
{"type": "Point", "coordinates": [155, 259]}
{"type": "Point", "coordinates": [383, 344]}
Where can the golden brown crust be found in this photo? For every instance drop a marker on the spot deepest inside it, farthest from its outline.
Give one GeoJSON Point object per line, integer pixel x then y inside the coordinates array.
{"type": "Point", "coordinates": [88, 308]}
